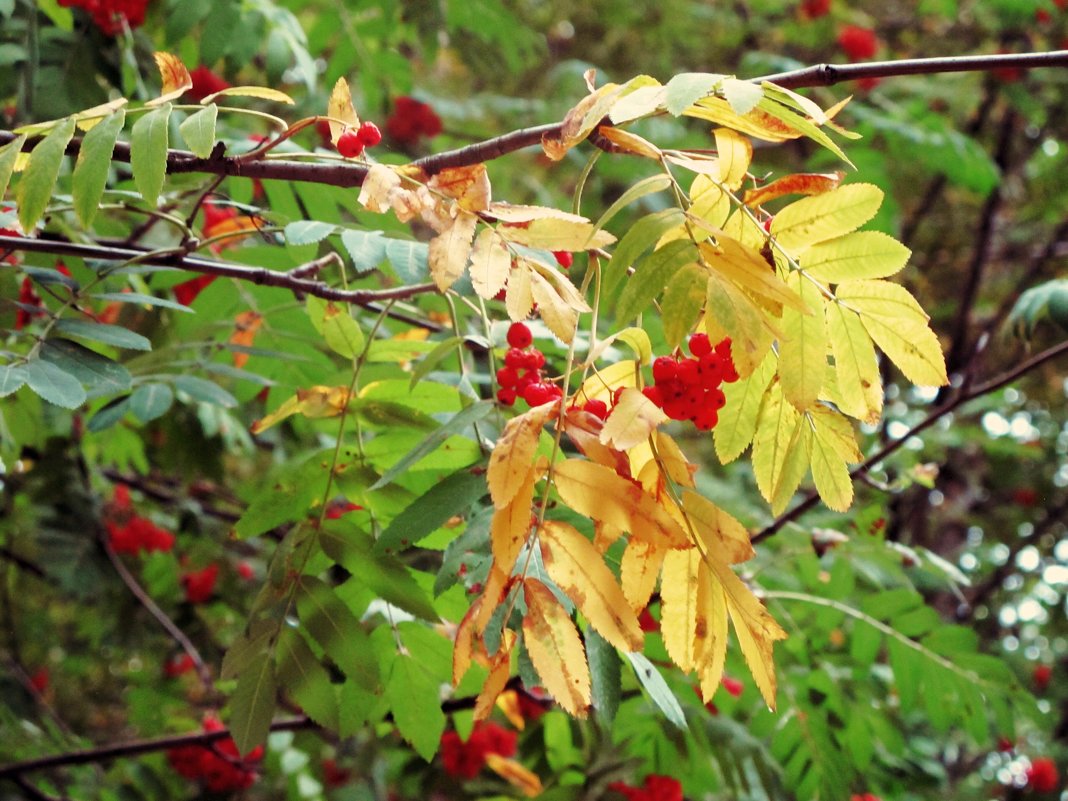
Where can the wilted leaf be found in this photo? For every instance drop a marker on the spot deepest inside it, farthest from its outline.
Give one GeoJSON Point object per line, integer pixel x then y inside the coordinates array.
{"type": "Point", "coordinates": [490, 264]}
{"type": "Point", "coordinates": [805, 183]}
{"type": "Point", "coordinates": [556, 234]}
{"type": "Point", "coordinates": [314, 402]}
{"type": "Point", "coordinates": [509, 464]}
{"type": "Point", "coordinates": [469, 186]}
{"type": "Point", "coordinates": [631, 421]}
{"type": "Point", "coordinates": [555, 649]}
{"type": "Point", "coordinates": [246, 326]}
{"type": "Point", "coordinates": [511, 523]}
{"type": "Point", "coordinates": [176, 79]}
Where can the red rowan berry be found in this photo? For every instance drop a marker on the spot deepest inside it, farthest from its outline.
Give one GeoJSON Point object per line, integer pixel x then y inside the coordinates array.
{"type": "Point", "coordinates": [369, 134]}
{"type": "Point", "coordinates": [715, 399]}
{"type": "Point", "coordinates": [507, 377]}
{"type": "Point", "coordinates": [664, 369]}
{"type": "Point", "coordinates": [349, 144]}
{"type": "Point", "coordinates": [535, 359]}
{"type": "Point", "coordinates": [519, 335]}
{"type": "Point", "coordinates": [537, 394]}
{"type": "Point", "coordinates": [858, 43]}
{"type": "Point", "coordinates": [654, 395]}
{"type": "Point", "coordinates": [706, 419]}
{"type": "Point", "coordinates": [700, 345]}
{"type": "Point", "coordinates": [596, 407]}
{"type": "Point", "coordinates": [515, 358]}
{"type": "Point", "coordinates": [564, 258]}
{"type": "Point", "coordinates": [506, 396]}
{"type": "Point", "coordinates": [687, 372]}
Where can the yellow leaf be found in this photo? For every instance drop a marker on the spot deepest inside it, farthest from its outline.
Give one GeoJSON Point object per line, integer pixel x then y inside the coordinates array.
{"type": "Point", "coordinates": [860, 387]}
{"type": "Point", "coordinates": [511, 523]}
{"type": "Point", "coordinates": [696, 162]}
{"type": "Point", "coordinates": [561, 284]}
{"type": "Point", "coordinates": [678, 604]}
{"type": "Point", "coordinates": [315, 402]}
{"type": "Point", "coordinates": [607, 380]}
{"type": "Point", "coordinates": [737, 313]}
{"type": "Point", "coordinates": [837, 431]}
{"type": "Point", "coordinates": [465, 648]}
{"type": "Point", "coordinates": [749, 269]}
{"type": "Point", "coordinates": [738, 417]}
{"type": "Point", "coordinates": [829, 471]}
{"type": "Point", "coordinates": [555, 234]}
{"type": "Point", "coordinates": [559, 316]}
{"type": "Point", "coordinates": [629, 142]}
{"type": "Point", "coordinates": [581, 119]}
{"type": "Point", "coordinates": [803, 350]}
{"type": "Point", "coordinates": [508, 703]}
{"type": "Point", "coordinates": [578, 569]}
{"type": "Point", "coordinates": [555, 649]}
{"type": "Point", "coordinates": [584, 429]}
{"type": "Point", "coordinates": [339, 107]}
{"type": "Point", "coordinates": [469, 186]}
{"type": "Point", "coordinates": [499, 670]}
{"type": "Point", "coordinates": [515, 213]}
{"type": "Point", "coordinates": [710, 636]}
{"type": "Point", "coordinates": [724, 538]}
{"type": "Point", "coordinates": [375, 192]}
{"type": "Point", "coordinates": [755, 629]}
{"type": "Point", "coordinates": [176, 78]}
{"type": "Point", "coordinates": [817, 219]}
{"type": "Point", "coordinates": [805, 183]}
{"type": "Point", "coordinates": [735, 154]}
{"type": "Point", "coordinates": [678, 468]}
{"type": "Point", "coordinates": [776, 427]}
{"type": "Point", "coordinates": [450, 249]}
{"type": "Point", "coordinates": [632, 420]}
{"type": "Point", "coordinates": [709, 202]}
{"type": "Point", "coordinates": [519, 299]}
{"type": "Point", "coordinates": [638, 572]}
{"type": "Point", "coordinates": [510, 463]}
{"type": "Point", "coordinates": [598, 493]}
{"type": "Point", "coordinates": [894, 319]}
{"type": "Point", "coordinates": [755, 123]}
{"type": "Point", "coordinates": [861, 254]}
{"type": "Point", "coordinates": [522, 779]}
{"type": "Point", "coordinates": [90, 117]}
{"type": "Point", "coordinates": [494, 591]}
{"type": "Point", "coordinates": [259, 92]}
{"type": "Point", "coordinates": [490, 263]}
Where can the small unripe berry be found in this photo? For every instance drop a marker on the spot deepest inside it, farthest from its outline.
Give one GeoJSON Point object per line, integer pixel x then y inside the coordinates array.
{"type": "Point", "coordinates": [519, 335]}
{"type": "Point", "coordinates": [369, 134]}
{"type": "Point", "coordinates": [349, 144]}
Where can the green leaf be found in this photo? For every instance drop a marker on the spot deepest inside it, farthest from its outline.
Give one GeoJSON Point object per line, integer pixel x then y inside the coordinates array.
{"type": "Point", "coordinates": [367, 249]}
{"type": "Point", "coordinates": [414, 697]}
{"type": "Point", "coordinates": [39, 179]}
{"type": "Point", "coordinates": [108, 334]}
{"type": "Point", "coordinates": [300, 673]}
{"type": "Point", "coordinates": [641, 236]}
{"type": "Point", "coordinates": [285, 497]}
{"type": "Point", "coordinates": [337, 630]}
{"type": "Point", "coordinates": [252, 705]}
{"type": "Point", "coordinates": [450, 496]}
{"type": "Point", "coordinates": [198, 130]}
{"type": "Point", "coordinates": [9, 154]}
{"type": "Point", "coordinates": [109, 414]}
{"type": "Point", "coordinates": [46, 276]}
{"type": "Point", "coordinates": [204, 391]}
{"type": "Point", "coordinates": [101, 375]}
{"type": "Point", "coordinates": [743, 96]}
{"type": "Point", "coordinates": [605, 674]}
{"type": "Point", "coordinates": [53, 384]}
{"type": "Point", "coordinates": [151, 400]}
{"type": "Point", "coordinates": [335, 323]}
{"type": "Point", "coordinates": [457, 423]}
{"type": "Point", "coordinates": [686, 87]}
{"type": "Point", "coordinates": [442, 350]}
{"type": "Point", "coordinates": [308, 232]}
{"type": "Point", "coordinates": [147, 300]}
{"type": "Point", "coordinates": [646, 186]}
{"type": "Point", "coordinates": [684, 298]}
{"type": "Point", "coordinates": [657, 689]}
{"type": "Point", "coordinates": [149, 141]}
{"type": "Point", "coordinates": [651, 275]}
{"type": "Point", "coordinates": [408, 259]}
{"type": "Point", "coordinates": [12, 377]}
{"type": "Point", "coordinates": [93, 164]}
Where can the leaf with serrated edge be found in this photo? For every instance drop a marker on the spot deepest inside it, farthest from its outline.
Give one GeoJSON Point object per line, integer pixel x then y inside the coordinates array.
{"type": "Point", "coordinates": [578, 569]}
{"type": "Point", "coordinates": [597, 492]}
{"type": "Point", "coordinates": [469, 186]}
{"type": "Point", "coordinates": [258, 92]}
{"type": "Point", "coordinates": [631, 421]}
{"type": "Point", "coordinates": [9, 155]}
{"type": "Point", "coordinates": [450, 249]}
{"type": "Point", "coordinates": [816, 219]}
{"type": "Point", "coordinates": [898, 324]}
{"type": "Point", "coordinates": [738, 417]}
{"type": "Point", "coordinates": [176, 78]}
{"type": "Point", "coordinates": [509, 464]}
{"type": "Point", "coordinates": [92, 166]}
{"type": "Point", "coordinates": [860, 387]}
{"type": "Point", "coordinates": [681, 305]}
{"type": "Point", "coordinates": [829, 471]}
{"type": "Point", "coordinates": [687, 87]}
{"type": "Point", "coordinates": [795, 463]}
{"type": "Point", "coordinates": [252, 705]}
{"type": "Point", "coordinates": [339, 107]}
{"type": "Point", "coordinates": [559, 316]}
{"type": "Point", "coordinates": [724, 538]}
{"type": "Point", "coordinates": [748, 269]}
{"type": "Point", "coordinates": [753, 123]}
{"type": "Point", "coordinates": [519, 297]}
{"type": "Point", "coordinates": [630, 143]}
{"type": "Point", "coordinates": [737, 313]}
{"type": "Point", "coordinates": [198, 130]}
{"type": "Point", "coordinates": [554, 234]}
{"type": "Point", "coordinates": [710, 642]}
{"type": "Point", "coordinates": [804, 183]}
{"type": "Point", "coordinates": [555, 649]}
{"type": "Point", "coordinates": [516, 213]}
{"type": "Point", "coordinates": [510, 525]}
{"type": "Point", "coordinates": [607, 380]}
{"type": "Point", "coordinates": [678, 604]}
{"type": "Point", "coordinates": [500, 668]}
{"type": "Point", "coordinates": [39, 178]}
{"type": "Point", "coordinates": [375, 192]}
{"type": "Point", "coordinates": [149, 140]}
{"type": "Point", "coordinates": [837, 431]}
{"type": "Point", "coordinates": [735, 154]}
{"type": "Point", "coordinates": [861, 254]}
{"type": "Point", "coordinates": [803, 351]}
{"type": "Point", "coordinates": [775, 428]}
{"type": "Point", "coordinates": [638, 572]}
{"type": "Point", "coordinates": [490, 264]}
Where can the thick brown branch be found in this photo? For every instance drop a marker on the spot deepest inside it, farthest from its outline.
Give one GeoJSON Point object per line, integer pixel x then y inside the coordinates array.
{"type": "Point", "coordinates": [993, 385]}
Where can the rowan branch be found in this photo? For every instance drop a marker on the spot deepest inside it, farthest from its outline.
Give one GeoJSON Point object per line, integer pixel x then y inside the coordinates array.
{"type": "Point", "coordinates": [993, 385]}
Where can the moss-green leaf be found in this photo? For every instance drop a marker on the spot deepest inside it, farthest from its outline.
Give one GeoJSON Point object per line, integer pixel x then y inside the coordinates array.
{"type": "Point", "coordinates": [252, 705]}
{"type": "Point", "coordinates": [149, 141]}
{"type": "Point", "coordinates": [94, 161]}
{"type": "Point", "coordinates": [198, 130]}
{"type": "Point", "coordinates": [39, 179]}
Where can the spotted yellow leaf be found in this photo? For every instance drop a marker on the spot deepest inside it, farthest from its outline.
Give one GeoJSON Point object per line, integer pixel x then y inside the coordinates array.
{"type": "Point", "coordinates": [632, 420]}
{"type": "Point", "coordinates": [555, 649]}
{"type": "Point", "coordinates": [510, 463]}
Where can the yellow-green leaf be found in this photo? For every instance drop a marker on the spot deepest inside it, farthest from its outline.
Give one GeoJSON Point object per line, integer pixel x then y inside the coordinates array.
{"type": "Point", "coordinates": [724, 538]}
{"type": "Point", "coordinates": [738, 314]}
{"type": "Point", "coordinates": [259, 92]}
{"type": "Point", "coordinates": [738, 417]}
{"type": "Point", "coordinates": [554, 234]}
{"type": "Point", "coordinates": [490, 263]}
{"type": "Point", "coordinates": [861, 254]}
{"type": "Point", "coordinates": [678, 604]}
{"type": "Point", "coordinates": [746, 267]}
{"type": "Point", "coordinates": [39, 179]}
{"type": "Point", "coordinates": [776, 426]}
{"type": "Point", "coordinates": [555, 649]}
{"type": "Point", "coordinates": [638, 572]}
{"type": "Point", "coordinates": [450, 249]}
{"type": "Point", "coordinates": [9, 154]}
{"type": "Point", "coordinates": [735, 154]}
{"type": "Point", "coordinates": [816, 219]}
{"type": "Point", "coordinates": [856, 370]}
{"type": "Point", "coordinates": [829, 471]}
{"type": "Point", "coordinates": [509, 465]}
{"type": "Point", "coordinates": [803, 350]}
{"type": "Point", "coordinates": [710, 641]}
{"type": "Point", "coordinates": [894, 319]}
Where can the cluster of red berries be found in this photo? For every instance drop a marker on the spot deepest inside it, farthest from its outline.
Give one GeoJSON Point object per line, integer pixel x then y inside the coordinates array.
{"type": "Point", "coordinates": [218, 766]}
{"type": "Point", "coordinates": [352, 142]}
{"type": "Point", "coordinates": [465, 759]}
{"type": "Point", "coordinates": [205, 83]}
{"type": "Point", "coordinates": [130, 533]}
{"type": "Point", "coordinates": [655, 788]}
{"type": "Point", "coordinates": [112, 16]}
{"type": "Point", "coordinates": [689, 389]}
{"type": "Point", "coordinates": [199, 585]}
{"type": "Point", "coordinates": [411, 120]}
{"type": "Point", "coordinates": [521, 376]}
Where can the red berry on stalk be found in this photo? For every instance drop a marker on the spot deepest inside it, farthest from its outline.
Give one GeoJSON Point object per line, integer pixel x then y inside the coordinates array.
{"type": "Point", "coordinates": [507, 377]}
{"type": "Point", "coordinates": [1042, 776]}
{"type": "Point", "coordinates": [654, 394]}
{"type": "Point", "coordinates": [349, 144]}
{"type": "Point", "coordinates": [537, 394]}
{"type": "Point", "coordinates": [515, 358]}
{"type": "Point", "coordinates": [700, 345]}
{"type": "Point", "coordinates": [596, 407]}
{"type": "Point", "coordinates": [564, 258]}
{"type": "Point", "coordinates": [664, 369]}
{"type": "Point", "coordinates": [369, 134]}
{"type": "Point", "coordinates": [506, 396]}
{"type": "Point", "coordinates": [519, 335]}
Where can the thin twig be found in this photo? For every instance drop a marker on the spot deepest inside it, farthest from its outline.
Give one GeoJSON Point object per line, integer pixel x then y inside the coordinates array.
{"type": "Point", "coordinates": [986, 388]}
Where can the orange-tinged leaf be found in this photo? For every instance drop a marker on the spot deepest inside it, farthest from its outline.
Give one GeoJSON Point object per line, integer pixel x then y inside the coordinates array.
{"type": "Point", "coordinates": [578, 569]}
{"type": "Point", "coordinates": [236, 227]}
{"type": "Point", "coordinates": [710, 642]}
{"type": "Point", "coordinates": [631, 421]}
{"type": "Point", "coordinates": [339, 107]}
{"type": "Point", "coordinates": [556, 649]}
{"type": "Point", "coordinates": [508, 703]}
{"type": "Point", "coordinates": [735, 154]}
{"type": "Point", "coordinates": [466, 648]}
{"type": "Point", "coordinates": [469, 186]}
{"type": "Point", "coordinates": [638, 572]}
{"type": "Point", "coordinates": [493, 593]}
{"type": "Point", "coordinates": [512, 457]}
{"type": "Point", "coordinates": [522, 779]}
{"type": "Point", "coordinates": [450, 250]}
{"type": "Point", "coordinates": [755, 123]}
{"type": "Point", "coordinates": [724, 538]}
{"type": "Point", "coordinates": [597, 492]}
{"type": "Point", "coordinates": [490, 264]}
{"type": "Point", "coordinates": [246, 326]}
{"type": "Point", "coordinates": [678, 604]}
{"type": "Point", "coordinates": [805, 183]}
{"type": "Point", "coordinates": [630, 142]}
{"type": "Point", "coordinates": [678, 468]}
{"type": "Point", "coordinates": [584, 430]}
{"type": "Point", "coordinates": [500, 670]}
{"type": "Point", "coordinates": [511, 524]}
{"type": "Point", "coordinates": [176, 78]}
{"type": "Point", "coordinates": [314, 402]}
{"type": "Point", "coordinates": [746, 267]}
{"type": "Point", "coordinates": [519, 299]}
